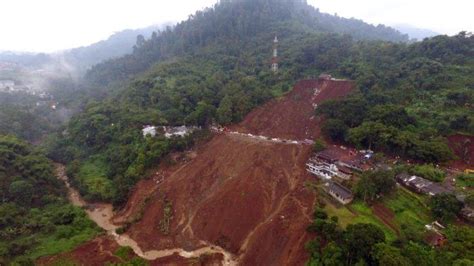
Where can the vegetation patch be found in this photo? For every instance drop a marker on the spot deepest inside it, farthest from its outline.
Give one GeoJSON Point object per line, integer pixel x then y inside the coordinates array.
{"type": "Point", "coordinates": [165, 222]}
{"type": "Point", "coordinates": [35, 218]}
{"type": "Point", "coordinates": [128, 258]}
{"type": "Point", "coordinates": [92, 177]}
{"type": "Point", "coordinates": [429, 172]}
{"type": "Point", "coordinates": [465, 180]}
{"type": "Point", "coordinates": [366, 215]}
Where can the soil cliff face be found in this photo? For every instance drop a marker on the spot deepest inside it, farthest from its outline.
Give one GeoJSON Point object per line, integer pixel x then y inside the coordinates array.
{"type": "Point", "coordinates": [238, 193]}
{"type": "Point", "coordinates": [241, 193]}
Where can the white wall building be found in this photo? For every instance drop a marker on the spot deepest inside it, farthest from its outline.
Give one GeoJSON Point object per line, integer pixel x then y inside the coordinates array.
{"type": "Point", "coordinates": [7, 84]}
{"type": "Point", "coordinates": [149, 131]}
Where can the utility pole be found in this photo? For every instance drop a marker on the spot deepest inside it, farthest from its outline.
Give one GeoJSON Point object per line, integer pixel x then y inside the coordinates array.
{"type": "Point", "coordinates": [275, 55]}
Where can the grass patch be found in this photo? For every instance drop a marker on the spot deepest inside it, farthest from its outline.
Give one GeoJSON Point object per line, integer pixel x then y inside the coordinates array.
{"type": "Point", "coordinates": [363, 214]}
{"type": "Point", "coordinates": [465, 180]}
{"type": "Point", "coordinates": [410, 209]}
{"type": "Point", "coordinates": [345, 216]}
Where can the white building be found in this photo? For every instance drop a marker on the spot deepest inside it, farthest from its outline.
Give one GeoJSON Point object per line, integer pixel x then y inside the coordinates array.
{"type": "Point", "coordinates": [149, 131]}
{"type": "Point", "coordinates": [7, 84]}
{"type": "Point", "coordinates": [323, 170]}
{"type": "Point", "coordinates": [177, 131]}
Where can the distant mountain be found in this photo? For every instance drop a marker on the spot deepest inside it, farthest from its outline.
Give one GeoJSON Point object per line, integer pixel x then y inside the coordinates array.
{"type": "Point", "coordinates": [81, 58]}
{"type": "Point", "coordinates": [25, 59]}
{"type": "Point", "coordinates": [414, 32]}
{"type": "Point", "coordinates": [116, 45]}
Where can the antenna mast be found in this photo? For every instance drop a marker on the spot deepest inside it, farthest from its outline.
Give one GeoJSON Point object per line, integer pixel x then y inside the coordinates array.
{"type": "Point", "coordinates": [275, 55]}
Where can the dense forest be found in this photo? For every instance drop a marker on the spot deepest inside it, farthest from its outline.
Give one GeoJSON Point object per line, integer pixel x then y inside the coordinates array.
{"type": "Point", "coordinates": [35, 217]}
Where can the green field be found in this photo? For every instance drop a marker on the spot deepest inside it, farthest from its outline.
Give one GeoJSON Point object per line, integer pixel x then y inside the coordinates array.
{"type": "Point", "coordinates": [409, 209]}
{"type": "Point", "coordinates": [363, 214]}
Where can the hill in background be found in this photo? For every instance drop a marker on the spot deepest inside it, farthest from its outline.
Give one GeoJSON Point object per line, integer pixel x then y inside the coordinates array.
{"type": "Point", "coordinates": [414, 32]}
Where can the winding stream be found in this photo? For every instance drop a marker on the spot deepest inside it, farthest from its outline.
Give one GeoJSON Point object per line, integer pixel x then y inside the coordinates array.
{"type": "Point", "coordinates": [102, 215]}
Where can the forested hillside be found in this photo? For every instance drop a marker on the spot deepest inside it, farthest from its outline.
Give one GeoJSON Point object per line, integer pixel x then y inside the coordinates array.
{"type": "Point", "coordinates": [229, 28]}
{"type": "Point", "coordinates": [215, 67]}
{"type": "Point", "coordinates": [35, 218]}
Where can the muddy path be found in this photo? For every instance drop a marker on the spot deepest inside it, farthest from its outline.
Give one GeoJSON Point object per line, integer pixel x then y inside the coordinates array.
{"type": "Point", "coordinates": [102, 215]}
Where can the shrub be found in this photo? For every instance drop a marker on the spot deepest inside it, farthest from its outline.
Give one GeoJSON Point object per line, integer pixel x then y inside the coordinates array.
{"type": "Point", "coordinates": [445, 207]}
{"type": "Point", "coordinates": [429, 172]}
{"type": "Point", "coordinates": [465, 180]}
{"type": "Point", "coordinates": [319, 145]}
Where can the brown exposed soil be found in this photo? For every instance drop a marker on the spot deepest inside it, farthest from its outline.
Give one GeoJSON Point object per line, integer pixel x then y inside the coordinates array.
{"type": "Point", "coordinates": [175, 260]}
{"type": "Point", "coordinates": [385, 215]}
{"type": "Point", "coordinates": [463, 148]}
{"type": "Point", "coordinates": [241, 194]}
{"type": "Point", "coordinates": [292, 116]}
{"type": "Point", "coordinates": [229, 193]}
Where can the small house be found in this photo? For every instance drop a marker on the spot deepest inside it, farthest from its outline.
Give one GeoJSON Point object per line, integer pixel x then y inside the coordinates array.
{"type": "Point", "coordinates": [180, 131]}
{"type": "Point", "coordinates": [421, 185]}
{"type": "Point", "coordinates": [339, 192]}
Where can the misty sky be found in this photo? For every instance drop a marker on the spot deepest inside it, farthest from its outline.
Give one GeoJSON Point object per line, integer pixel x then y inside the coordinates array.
{"type": "Point", "coordinates": [51, 25]}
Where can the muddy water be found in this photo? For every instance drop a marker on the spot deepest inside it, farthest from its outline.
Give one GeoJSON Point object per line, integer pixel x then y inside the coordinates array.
{"type": "Point", "coordinates": [102, 215]}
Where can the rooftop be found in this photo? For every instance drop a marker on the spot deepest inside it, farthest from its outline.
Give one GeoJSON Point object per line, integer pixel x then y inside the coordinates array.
{"type": "Point", "coordinates": [339, 189]}
{"type": "Point", "coordinates": [327, 155]}
{"type": "Point", "coordinates": [423, 185]}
